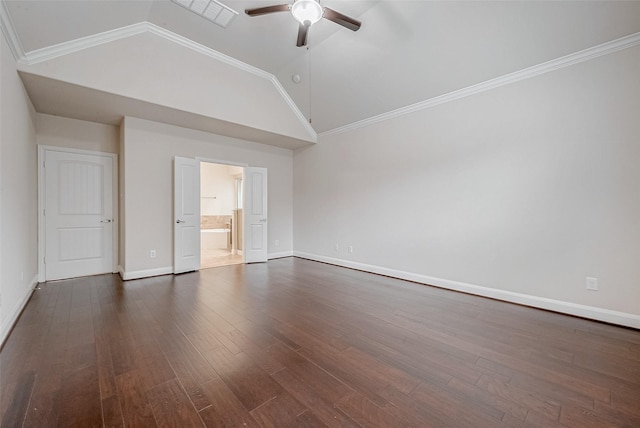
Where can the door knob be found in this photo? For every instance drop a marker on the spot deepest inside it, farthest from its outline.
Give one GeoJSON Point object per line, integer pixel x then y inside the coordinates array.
{"type": "Point", "coordinates": [106, 221]}
{"type": "Point", "coordinates": [180, 221]}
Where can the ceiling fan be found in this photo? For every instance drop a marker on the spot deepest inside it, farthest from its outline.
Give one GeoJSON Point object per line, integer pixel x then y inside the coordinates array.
{"type": "Point", "coordinates": [307, 13]}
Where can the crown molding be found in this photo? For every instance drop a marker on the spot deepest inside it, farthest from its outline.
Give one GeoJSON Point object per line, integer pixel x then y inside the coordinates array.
{"type": "Point", "coordinates": [65, 48]}
{"type": "Point", "coordinates": [527, 73]}
{"type": "Point", "coordinates": [8, 29]}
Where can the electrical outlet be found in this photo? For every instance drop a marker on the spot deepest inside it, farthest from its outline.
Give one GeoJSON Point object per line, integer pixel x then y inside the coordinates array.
{"type": "Point", "coordinates": [592, 283]}
{"type": "Point", "coordinates": [152, 254]}
{"type": "Point", "coordinates": [351, 249]}
{"type": "Point", "coordinates": [336, 247]}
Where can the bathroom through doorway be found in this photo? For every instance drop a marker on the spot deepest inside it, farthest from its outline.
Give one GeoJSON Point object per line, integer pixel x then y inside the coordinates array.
{"type": "Point", "coordinates": [221, 216]}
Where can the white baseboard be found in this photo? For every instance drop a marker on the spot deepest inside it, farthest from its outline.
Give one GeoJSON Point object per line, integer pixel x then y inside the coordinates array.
{"type": "Point", "coordinates": [137, 274]}
{"type": "Point", "coordinates": [6, 327]}
{"type": "Point", "coordinates": [599, 314]}
{"type": "Point", "coordinates": [279, 255]}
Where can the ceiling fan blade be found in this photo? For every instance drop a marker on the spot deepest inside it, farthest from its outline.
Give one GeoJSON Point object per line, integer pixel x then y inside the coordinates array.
{"type": "Point", "coordinates": [344, 20]}
{"type": "Point", "coordinates": [267, 9]}
{"type": "Point", "coordinates": [303, 31]}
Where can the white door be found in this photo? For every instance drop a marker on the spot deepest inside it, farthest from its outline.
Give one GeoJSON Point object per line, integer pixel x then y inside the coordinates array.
{"type": "Point", "coordinates": [186, 218]}
{"type": "Point", "coordinates": [78, 214]}
{"type": "Point", "coordinates": [255, 214]}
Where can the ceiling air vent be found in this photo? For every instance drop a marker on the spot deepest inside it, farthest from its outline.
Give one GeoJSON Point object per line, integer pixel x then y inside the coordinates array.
{"type": "Point", "coordinates": [212, 10]}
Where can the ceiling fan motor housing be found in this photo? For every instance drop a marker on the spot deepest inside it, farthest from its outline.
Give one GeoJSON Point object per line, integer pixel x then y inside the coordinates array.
{"type": "Point", "coordinates": [307, 12]}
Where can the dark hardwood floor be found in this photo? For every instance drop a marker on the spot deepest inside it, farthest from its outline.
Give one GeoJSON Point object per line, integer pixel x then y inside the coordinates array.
{"type": "Point", "coordinates": [295, 343]}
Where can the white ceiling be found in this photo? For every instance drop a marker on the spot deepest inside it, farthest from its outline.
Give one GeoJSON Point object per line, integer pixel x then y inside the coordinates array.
{"type": "Point", "coordinates": [407, 51]}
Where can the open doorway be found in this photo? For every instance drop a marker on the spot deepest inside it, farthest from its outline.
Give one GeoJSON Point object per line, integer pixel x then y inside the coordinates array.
{"type": "Point", "coordinates": [221, 216]}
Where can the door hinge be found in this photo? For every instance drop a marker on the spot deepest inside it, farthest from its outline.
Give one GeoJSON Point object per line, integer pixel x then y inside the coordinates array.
{"type": "Point", "coordinates": [44, 260]}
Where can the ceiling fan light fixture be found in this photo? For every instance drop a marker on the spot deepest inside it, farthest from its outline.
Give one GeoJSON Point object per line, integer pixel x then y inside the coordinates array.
{"type": "Point", "coordinates": [307, 11]}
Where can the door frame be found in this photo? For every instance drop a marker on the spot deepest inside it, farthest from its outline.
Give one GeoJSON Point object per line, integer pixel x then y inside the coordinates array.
{"type": "Point", "coordinates": [42, 150]}
{"type": "Point", "coordinates": [231, 163]}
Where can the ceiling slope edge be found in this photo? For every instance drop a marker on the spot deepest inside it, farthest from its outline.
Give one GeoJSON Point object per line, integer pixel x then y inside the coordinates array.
{"type": "Point", "coordinates": [62, 49]}
{"type": "Point", "coordinates": [8, 29]}
{"type": "Point", "coordinates": [526, 73]}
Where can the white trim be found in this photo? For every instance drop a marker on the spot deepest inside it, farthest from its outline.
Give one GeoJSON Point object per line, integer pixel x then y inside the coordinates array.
{"type": "Point", "coordinates": [41, 203]}
{"type": "Point", "coordinates": [65, 48]}
{"type": "Point", "coordinates": [527, 73]}
{"type": "Point", "coordinates": [599, 314]}
{"type": "Point", "coordinates": [279, 255]}
{"type": "Point", "coordinates": [5, 328]}
{"type": "Point", "coordinates": [9, 31]}
{"type": "Point", "coordinates": [136, 274]}
{"type": "Point", "coordinates": [294, 107]}
{"type": "Point", "coordinates": [221, 162]}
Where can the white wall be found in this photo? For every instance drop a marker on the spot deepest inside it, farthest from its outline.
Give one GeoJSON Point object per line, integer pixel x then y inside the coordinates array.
{"type": "Point", "coordinates": [76, 134]}
{"type": "Point", "coordinates": [217, 187]}
{"type": "Point", "coordinates": [18, 193]}
{"type": "Point", "coordinates": [148, 152]}
{"type": "Point", "coordinates": [191, 81]}
{"type": "Point", "coordinates": [524, 190]}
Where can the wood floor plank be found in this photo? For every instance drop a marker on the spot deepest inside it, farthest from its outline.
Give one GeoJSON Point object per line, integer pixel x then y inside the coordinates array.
{"type": "Point", "coordinates": [284, 355]}
{"type": "Point", "coordinates": [298, 343]}
{"type": "Point", "coordinates": [14, 415]}
{"type": "Point", "coordinates": [256, 334]}
{"type": "Point", "coordinates": [324, 383]}
{"type": "Point", "coordinates": [283, 411]}
{"type": "Point", "coordinates": [192, 370]}
{"type": "Point", "coordinates": [579, 416]}
{"type": "Point", "coordinates": [171, 406]}
{"type": "Point", "coordinates": [448, 402]}
{"type": "Point", "coordinates": [625, 400]}
{"type": "Point", "coordinates": [43, 411]}
{"type": "Point", "coordinates": [225, 409]}
{"type": "Point", "coordinates": [106, 373]}
{"type": "Point", "coordinates": [542, 388]}
{"type": "Point", "coordinates": [259, 355]}
{"type": "Point", "coordinates": [517, 412]}
{"type": "Point", "coordinates": [368, 414]}
{"type": "Point", "coordinates": [248, 382]}
{"type": "Point", "coordinates": [80, 404]}
{"type": "Point", "coordinates": [323, 410]}
{"type": "Point", "coordinates": [543, 405]}
{"type": "Point", "coordinates": [133, 400]}
{"type": "Point", "coordinates": [43, 407]}
{"type": "Point", "coordinates": [112, 413]}
{"type": "Point", "coordinates": [309, 420]}
{"type": "Point", "coordinates": [414, 411]}
{"type": "Point", "coordinates": [535, 420]}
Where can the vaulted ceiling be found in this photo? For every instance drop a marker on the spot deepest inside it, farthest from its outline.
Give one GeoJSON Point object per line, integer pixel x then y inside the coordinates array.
{"type": "Point", "coordinates": [407, 51]}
